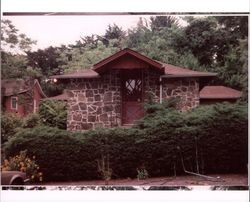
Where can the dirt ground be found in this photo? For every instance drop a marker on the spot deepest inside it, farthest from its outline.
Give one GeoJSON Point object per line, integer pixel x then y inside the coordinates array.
{"type": "Point", "coordinates": [190, 180]}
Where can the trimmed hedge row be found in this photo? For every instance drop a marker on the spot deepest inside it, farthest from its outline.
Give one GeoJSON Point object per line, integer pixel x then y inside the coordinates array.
{"type": "Point", "coordinates": [214, 137]}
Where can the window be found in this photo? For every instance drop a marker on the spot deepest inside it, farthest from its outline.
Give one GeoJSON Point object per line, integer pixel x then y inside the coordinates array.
{"type": "Point", "coordinates": [14, 103]}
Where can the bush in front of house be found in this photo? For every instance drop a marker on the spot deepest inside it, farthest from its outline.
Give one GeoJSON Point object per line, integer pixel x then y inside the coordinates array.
{"type": "Point", "coordinates": [53, 113]}
{"type": "Point", "coordinates": [9, 124]}
{"type": "Point", "coordinates": [219, 133]}
{"type": "Point", "coordinates": [31, 121]}
{"type": "Point", "coordinates": [59, 154]}
{"type": "Point", "coordinates": [211, 139]}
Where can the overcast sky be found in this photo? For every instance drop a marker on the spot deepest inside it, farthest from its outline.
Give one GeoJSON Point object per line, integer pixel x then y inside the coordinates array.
{"type": "Point", "coordinates": [57, 30]}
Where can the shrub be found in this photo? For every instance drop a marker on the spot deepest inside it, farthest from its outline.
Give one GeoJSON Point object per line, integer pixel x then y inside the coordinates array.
{"type": "Point", "coordinates": [9, 125]}
{"type": "Point", "coordinates": [212, 137]}
{"type": "Point", "coordinates": [53, 113]}
{"type": "Point", "coordinates": [58, 153]}
{"type": "Point", "coordinates": [24, 164]}
{"type": "Point", "coordinates": [31, 121]}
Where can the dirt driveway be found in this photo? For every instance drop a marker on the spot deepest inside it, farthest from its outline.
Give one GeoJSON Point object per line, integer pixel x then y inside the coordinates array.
{"type": "Point", "coordinates": [218, 180]}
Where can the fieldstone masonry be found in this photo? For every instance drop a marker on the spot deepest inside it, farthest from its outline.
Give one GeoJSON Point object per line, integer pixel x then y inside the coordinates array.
{"type": "Point", "coordinates": [186, 90]}
{"type": "Point", "coordinates": [96, 103]}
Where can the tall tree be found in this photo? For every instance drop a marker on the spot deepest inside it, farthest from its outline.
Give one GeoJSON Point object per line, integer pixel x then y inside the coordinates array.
{"type": "Point", "coordinates": [13, 47]}
{"type": "Point", "coordinates": [45, 60]}
{"type": "Point", "coordinates": [160, 22]}
{"type": "Point", "coordinates": [12, 40]}
{"type": "Point", "coordinates": [113, 33]}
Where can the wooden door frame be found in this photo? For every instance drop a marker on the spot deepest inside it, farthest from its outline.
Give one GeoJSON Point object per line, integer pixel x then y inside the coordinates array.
{"type": "Point", "coordinates": [124, 74]}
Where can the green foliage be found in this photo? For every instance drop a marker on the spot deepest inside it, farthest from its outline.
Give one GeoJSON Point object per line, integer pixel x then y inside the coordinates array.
{"type": "Point", "coordinates": [12, 40]}
{"type": "Point", "coordinates": [219, 131]}
{"type": "Point", "coordinates": [152, 107]}
{"type": "Point", "coordinates": [57, 152]}
{"type": "Point", "coordinates": [31, 121]}
{"type": "Point", "coordinates": [113, 32]}
{"type": "Point", "coordinates": [45, 61]}
{"type": "Point", "coordinates": [142, 173]}
{"type": "Point", "coordinates": [23, 163]}
{"type": "Point", "coordinates": [53, 113]}
{"type": "Point", "coordinates": [84, 57]}
{"type": "Point", "coordinates": [159, 22]}
{"type": "Point", "coordinates": [104, 169]}
{"type": "Point", "coordinates": [51, 89]}
{"type": "Point", "coordinates": [13, 66]}
{"type": "Point", "coordinates": [9, 125]}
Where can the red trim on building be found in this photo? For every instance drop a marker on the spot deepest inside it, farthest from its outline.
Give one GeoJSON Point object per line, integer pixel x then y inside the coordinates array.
{"type": "Point", "coordinates": [100, 66]}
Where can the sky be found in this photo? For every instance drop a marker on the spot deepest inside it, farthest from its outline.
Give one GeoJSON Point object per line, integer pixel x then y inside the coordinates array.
{"type": "Point", "coordinates": [57, 30]}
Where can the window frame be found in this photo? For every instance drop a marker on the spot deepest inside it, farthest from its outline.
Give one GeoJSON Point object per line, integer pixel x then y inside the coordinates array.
{"type": "Point", "coordinates": [11, 103]}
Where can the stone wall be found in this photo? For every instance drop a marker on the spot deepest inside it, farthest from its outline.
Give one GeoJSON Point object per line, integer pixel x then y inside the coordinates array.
{"type": "Point", "coordinates": [94, 103]}
{"type": "Point", "coordinates": [186, 90]}
{"type": "Point", "coordinates": [151, 86]}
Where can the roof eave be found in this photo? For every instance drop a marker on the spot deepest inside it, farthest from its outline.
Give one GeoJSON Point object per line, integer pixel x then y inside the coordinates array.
{"type": "Point", "coordinates": [188, 75]}
{"type": "Point", "coordinates": [73, 77]}
{"type": "Point", "coordinates": [16, 93]}
{"type": "Point", "coordinates": [220, 97]}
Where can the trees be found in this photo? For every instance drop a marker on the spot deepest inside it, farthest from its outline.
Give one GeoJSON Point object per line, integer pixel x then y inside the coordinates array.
{"type": "Point", "coordinates": [113, 32]}
{"type": "Point", "coordinates": [217, 44]}
{"type": "Point", "coordinates": [13, 59]}
{"type": "Point", "coordinates": [159, 22]}
{"type": "Point", "coordinates": [45, 60]}
{"type": "Point", "coordinates": [12, 40]}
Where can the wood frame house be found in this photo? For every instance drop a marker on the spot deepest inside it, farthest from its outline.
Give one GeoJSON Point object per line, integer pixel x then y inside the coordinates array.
{"type": "Point", "coordinates": [113, 92]}
{"type": "Point", "coordinates": [21, 97]}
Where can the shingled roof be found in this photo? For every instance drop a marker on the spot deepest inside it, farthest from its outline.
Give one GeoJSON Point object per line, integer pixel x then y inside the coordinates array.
{"type": "Point", "coordinates": [61, 97]}
{"type": "Point", "coordinates": [219, 92]}
{"type": "Point", "coordinates": [86, 73]}
{"type": "Point", "coordinates": [170, 71]}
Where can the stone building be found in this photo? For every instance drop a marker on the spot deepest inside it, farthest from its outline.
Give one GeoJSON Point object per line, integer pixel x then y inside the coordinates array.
{"type": "Point", "coordinates": [113, 92]}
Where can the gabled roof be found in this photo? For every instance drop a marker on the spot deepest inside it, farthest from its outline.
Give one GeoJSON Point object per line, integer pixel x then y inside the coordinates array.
{"type": "Point", "coordinates": [36, 82]}
{"type": "Point", "coordinates": [168, 70]}
{"type": "Point", "coordinates": [17, 86]}
{"type": "Point", "coordinates": [100, 65]}
{"type": "Point", "coordinates": [219, 92]}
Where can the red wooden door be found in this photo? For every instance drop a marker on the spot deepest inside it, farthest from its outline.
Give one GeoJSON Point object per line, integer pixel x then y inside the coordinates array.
{"type": "Point", "coordinates": [132, 98]}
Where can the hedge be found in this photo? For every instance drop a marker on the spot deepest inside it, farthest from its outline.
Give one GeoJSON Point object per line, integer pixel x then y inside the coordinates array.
{"type": "Point", "coordinates": [215, 136]}
{"type": "Point", "coordinates": [10, 122]}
